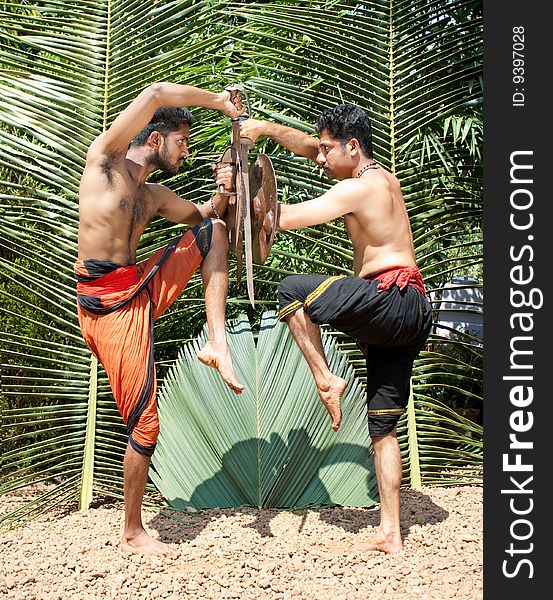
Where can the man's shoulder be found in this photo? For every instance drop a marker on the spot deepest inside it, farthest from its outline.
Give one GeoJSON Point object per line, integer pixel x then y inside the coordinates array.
{"type": "Point", "coordinates": [99, 151]}
{"type": "Point", "coordinates": [367, 195]}
{"type": "Point", "coordinates": [380, 181]}
{"type": "Point", "coordinates": [351, 184]}
{"type": "Point", "coordinates": [358, 188]}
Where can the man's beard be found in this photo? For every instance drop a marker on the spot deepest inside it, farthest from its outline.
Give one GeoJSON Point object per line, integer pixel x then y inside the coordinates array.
{"type": "Point", "coordinates": [161, 161]}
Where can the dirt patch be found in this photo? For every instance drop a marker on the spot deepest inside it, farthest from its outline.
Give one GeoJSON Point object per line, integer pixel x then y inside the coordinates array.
{"type": "Point", "coordinates": [251, 554]}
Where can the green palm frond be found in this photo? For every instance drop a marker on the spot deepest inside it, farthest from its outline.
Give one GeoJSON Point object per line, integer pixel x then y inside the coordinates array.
{"type": "Point", "coordinates": [271, 446]}
{"type": "Point", "coordinates": [67, 69]}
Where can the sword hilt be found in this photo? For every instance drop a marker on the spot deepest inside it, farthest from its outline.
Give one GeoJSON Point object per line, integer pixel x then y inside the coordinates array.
{"type": "Point", "coordinates": [237, 91]}
{"type": "Point", "coordinates": [229, 157]}
{"type": "Point", "coordinates": [222, 191]}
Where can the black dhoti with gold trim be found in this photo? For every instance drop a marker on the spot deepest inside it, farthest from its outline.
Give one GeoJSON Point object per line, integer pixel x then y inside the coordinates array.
{"type": "Point", "coordinates": [389, 317]}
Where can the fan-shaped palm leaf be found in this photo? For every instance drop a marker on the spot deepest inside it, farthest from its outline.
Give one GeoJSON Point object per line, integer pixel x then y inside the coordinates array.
{"type": "Point", "coordinates": [272, 446]}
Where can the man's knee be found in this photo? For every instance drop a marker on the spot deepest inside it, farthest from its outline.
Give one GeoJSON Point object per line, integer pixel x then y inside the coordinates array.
{"type": "Point", "coordinates": [290, 297]}
{"type": "Point", "coordinates": [288, 280]}
{"type": "Point", "coordinates": [219, 226]}
{"type": "Point", "coordinates": [205, 232]}
{"type": "Point", "coordinates": [382, 425]}
{"type": "Point", "coordinates": [143, 437]}
{"type": "Point", "coordinates": [289, 289]}
{"type": "Point", "coordinates": [219, 236]}
{"type": "Point", "coordinates": [392, 434]}
{"type": "Point", "coordinates": [291, 282]}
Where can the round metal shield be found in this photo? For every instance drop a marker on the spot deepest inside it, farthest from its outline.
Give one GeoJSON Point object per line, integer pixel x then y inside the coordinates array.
{"type": "Point", "coordinates": [263, 190]}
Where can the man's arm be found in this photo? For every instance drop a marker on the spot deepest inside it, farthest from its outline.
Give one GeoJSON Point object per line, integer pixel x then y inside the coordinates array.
{"type": "Point", "coordinates": [139, 112]}
{"type": "Point", "coordinates": [296, 141]}
{"type": "Point", "coordinates": [342, 199]}
{"type": "Point", "coordinates": [176, 209]}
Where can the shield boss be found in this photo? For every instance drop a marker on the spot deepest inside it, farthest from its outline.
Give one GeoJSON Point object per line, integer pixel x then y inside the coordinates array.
{"type": "Point", "coordinates": [263, 190]}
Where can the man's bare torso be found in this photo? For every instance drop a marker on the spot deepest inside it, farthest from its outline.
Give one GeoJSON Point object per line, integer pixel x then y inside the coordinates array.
{"type": "Point", "coordinates": [114, 210]}
{"type": "Point", "coordinates": [379, 230]}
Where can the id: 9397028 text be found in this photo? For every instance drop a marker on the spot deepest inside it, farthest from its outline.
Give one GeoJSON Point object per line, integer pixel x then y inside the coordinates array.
{"type": "Point", "coordinates": [518, 65]}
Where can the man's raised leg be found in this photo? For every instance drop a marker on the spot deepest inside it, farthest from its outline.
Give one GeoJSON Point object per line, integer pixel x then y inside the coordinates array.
{"type": "Point", "coordinates": [387, 464]}
{"type": "Point", "coordinates": [214, 269]}
{"type": "Point", "coordinates": [330, 387]}
{"type": "Point", "coordinates": [135, 539]}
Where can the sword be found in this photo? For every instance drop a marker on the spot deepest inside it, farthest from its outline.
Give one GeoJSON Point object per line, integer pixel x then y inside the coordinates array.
{"type": "Point", "coordinates": [251, 221]}
{"type": "Point", "coordinates": [242, 241]}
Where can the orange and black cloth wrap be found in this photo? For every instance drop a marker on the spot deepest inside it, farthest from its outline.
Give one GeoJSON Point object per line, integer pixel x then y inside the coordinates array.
{"type": "Point", "coordinates": [389, 317]}
{"type": "Point", "coordinates": [117, 306]}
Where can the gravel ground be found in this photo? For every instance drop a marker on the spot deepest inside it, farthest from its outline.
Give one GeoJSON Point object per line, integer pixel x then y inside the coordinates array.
{"type": "Point", "coordinates": [251, 554]}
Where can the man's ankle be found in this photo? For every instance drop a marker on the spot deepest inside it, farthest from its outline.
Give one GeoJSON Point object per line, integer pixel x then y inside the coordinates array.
{"type": "Point", "coordinates": [132, 532]}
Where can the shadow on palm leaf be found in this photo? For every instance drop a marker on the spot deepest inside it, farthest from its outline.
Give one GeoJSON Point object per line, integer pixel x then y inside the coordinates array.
{"type": "Point", "coordinates": [298, 482]}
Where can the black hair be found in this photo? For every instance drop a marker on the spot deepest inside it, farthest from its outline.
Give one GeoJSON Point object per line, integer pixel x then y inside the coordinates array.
{"type": "Point", "coordinates": [347, 121]}
{"type": "Point", "coordinates": [164, 120]}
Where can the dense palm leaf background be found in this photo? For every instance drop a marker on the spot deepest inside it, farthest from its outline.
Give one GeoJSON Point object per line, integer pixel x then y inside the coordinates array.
{"type": "Point", "coordinates": [68, 68]}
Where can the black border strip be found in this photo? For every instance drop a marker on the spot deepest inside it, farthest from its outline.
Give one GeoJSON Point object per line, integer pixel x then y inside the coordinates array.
{"type": "Point", "coordinates": [516, 230]}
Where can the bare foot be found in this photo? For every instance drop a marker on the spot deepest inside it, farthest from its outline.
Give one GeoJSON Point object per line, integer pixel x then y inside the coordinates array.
{"type": "Point", "coordinates": [144, 544]}
{"type": "Point", "coordinates": [219, 358]}
{"type": "Point", "coordinates": [330, 394]}
{"type": "Point", "coordinates": [389, 544]}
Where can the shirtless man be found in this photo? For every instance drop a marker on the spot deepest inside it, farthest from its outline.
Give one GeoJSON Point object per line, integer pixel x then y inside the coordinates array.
{"type": "Point", "coordinates": [383, 306]}
{"type": "Point", "coordinates": [118, 299]}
